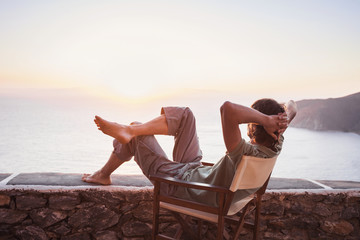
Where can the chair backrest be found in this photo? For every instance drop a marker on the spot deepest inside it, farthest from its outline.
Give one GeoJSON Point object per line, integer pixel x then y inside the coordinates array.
{"type": "Point", "coordinates": [252, 172]}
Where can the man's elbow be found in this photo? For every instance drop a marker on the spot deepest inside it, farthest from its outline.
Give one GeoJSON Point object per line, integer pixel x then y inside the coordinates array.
{"type": "Point", "coordinates": [226, 107]}
{"type": "Point", "coordinates": [226, 111]}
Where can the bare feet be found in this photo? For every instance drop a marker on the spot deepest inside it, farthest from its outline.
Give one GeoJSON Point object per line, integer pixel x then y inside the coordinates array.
{"type": "Point", "coordinates": [96, 177]}
{"type": "Point", "coordinates": [120, 132]}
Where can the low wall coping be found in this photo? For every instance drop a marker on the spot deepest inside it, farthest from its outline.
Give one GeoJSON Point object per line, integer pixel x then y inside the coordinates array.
{"type": "Point", "coordinates": [72, 182]}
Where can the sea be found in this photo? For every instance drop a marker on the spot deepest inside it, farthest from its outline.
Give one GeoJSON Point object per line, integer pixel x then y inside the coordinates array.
{"type": "Point", "coordinates": [46, 134]}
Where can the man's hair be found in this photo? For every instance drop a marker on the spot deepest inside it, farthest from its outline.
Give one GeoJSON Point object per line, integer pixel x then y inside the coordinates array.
{"type": "Point", "coordinates": [257, 132]}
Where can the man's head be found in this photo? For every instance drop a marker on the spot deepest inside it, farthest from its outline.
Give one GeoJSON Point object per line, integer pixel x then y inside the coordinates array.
{"type": "Point", "coordinates": [257, 132]}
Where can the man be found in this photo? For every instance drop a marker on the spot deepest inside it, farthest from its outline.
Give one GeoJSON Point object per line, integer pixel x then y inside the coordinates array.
{"type": "Point", "coordinates": [267, 121]}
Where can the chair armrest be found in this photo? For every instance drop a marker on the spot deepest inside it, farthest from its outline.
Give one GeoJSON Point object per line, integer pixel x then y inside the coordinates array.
{"type": "Point", "coordinates": [207, 164]}
{"type": "Point", "coordinates": [182, 183]}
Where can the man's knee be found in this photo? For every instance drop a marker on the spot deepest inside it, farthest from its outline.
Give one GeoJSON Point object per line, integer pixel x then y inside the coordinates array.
{"type": "Point", "coordinates": [189, 115]}
{"type": "Point", "coordinates": [122, 151]}
{"type": "Point", "coordinates": [188, 112]}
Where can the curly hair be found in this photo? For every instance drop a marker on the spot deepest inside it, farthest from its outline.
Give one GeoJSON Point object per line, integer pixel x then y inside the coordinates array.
{"type": "Point", "coordinates": [257, 132]}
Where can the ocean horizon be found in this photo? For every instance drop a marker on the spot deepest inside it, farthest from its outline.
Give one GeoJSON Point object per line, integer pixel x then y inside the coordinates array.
{"type": "Point", "coordinates": [55, 136]}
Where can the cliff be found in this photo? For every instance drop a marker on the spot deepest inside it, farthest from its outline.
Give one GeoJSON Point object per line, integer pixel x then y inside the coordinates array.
{"type": "Point", "coordinates": [333, 114]}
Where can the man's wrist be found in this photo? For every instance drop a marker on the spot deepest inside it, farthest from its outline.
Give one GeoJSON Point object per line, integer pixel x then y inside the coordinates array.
{"type": "Point", "coordinates": [264, 119]}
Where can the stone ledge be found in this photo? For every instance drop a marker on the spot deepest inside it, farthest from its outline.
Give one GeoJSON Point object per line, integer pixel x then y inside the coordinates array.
{"type": "Point", "coordinates": [74, 180]}
{"type": "Point", "coordinates": [4, 175]}
{"type": "Point", "coordinates": [60, 206]}
{"type": "Point", "coordinates": [120, 212]}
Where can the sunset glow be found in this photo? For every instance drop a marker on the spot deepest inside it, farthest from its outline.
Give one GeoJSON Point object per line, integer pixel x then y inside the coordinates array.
{"type": "Point", "coordinates": [148, 49]}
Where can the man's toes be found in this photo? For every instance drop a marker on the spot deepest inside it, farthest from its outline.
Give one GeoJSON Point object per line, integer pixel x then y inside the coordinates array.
{"type": "Point", "coordinates": [98, 119]}
{"type": "Point", "coordinates": [84, 176]}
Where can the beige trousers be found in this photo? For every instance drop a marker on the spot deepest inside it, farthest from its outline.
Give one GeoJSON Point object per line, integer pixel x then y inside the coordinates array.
{"type": "Point", "coordinates": [151, 158]}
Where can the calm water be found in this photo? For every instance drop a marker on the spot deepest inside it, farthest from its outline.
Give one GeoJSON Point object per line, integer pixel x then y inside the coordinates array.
{"type": "Point", "coordinates": [55, 136]}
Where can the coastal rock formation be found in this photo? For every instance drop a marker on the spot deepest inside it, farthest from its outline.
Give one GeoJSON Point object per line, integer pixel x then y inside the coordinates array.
{"type": "Point", "coordinates": [333, 114]}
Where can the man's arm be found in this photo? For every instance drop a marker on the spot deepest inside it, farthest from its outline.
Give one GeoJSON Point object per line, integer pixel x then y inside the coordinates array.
{"type": "Point", "coordinates": [234, 114]}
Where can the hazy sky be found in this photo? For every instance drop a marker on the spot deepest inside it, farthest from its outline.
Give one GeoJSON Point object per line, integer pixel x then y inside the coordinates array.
{"type": "Point", "coordinates": [140, 49]}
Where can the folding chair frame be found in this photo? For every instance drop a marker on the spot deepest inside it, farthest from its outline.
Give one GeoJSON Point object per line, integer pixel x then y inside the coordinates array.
{"type": "Point", "coordinates": [224, 200]}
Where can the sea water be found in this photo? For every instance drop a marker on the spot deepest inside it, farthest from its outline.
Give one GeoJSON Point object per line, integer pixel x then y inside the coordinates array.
{"type": "Point", "coordinates": [47, 136]}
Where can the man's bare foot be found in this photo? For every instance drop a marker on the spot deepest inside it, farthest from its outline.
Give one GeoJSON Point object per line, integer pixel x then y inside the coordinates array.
{"type": "Point", "coordinates": [96, 177]}
{"type": "Point", "coordinates": [120, 132]}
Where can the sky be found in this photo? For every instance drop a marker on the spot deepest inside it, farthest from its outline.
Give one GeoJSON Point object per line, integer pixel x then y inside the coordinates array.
{"type": "Point", "coordinates": [158, 49]}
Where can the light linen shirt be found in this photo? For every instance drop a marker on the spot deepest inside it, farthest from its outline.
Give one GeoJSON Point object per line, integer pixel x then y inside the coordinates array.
{"type": "Point", "coordinates": [222, 173]}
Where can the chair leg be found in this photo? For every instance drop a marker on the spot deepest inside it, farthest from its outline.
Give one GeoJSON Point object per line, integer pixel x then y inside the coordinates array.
{"type": "Point", "coordinates": [257, 217]}
{"type": "Point", "coordinates": [221, 225]}
{"type": "Point", "coordinates": [241, 221]}
{"type": "Point", "coordinates": [200, 224]}
{"type": "Point", "coordinates": [156, 207]}
{"type": "Point", "coordinates": [178, 233]}
{"type": "Point", "coordinates": [184, 224]}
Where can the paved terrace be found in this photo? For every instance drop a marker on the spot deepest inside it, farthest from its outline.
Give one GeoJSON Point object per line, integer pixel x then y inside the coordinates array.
{"type": "Point", "coordinates": [9, 180]}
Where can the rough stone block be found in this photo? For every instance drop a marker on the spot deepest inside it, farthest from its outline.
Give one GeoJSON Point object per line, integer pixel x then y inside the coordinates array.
{"type": "Point", "coordinates": [106, 235]}
{"type": "Point", "coordinates": [272, 208]}
{"type": "Point", "coordinates": [128, 207]}
{"type": "Point", "coordinates": [62, 228]}
{"type": "Point", "coordinates": [298, 208]}
{"type": "Point", "coordinates": [354, 199]}
{"type": "Point", "coordinates": [341, 227]}
{"type": "Point", "coordinates": [303, 222]}
{"type": "Point", "coordinates": [274, 236]}
{"type": "Point", "coordinates": [10, 216]}
{"type": "Point", "coordinates": [28, 202]}
{"type": "Point", "coordinates": [27, 222]}
{"type": "Point", "coordinates": [85, 205]}
{"type": "Point", "coordinates": [144, 211]}
{"type": "Point", "coordinates": [296, 234]}
{"type": "Point", "coordinates": [4, 200]}
{"type": "Point", "coordinates": [335, 198]}
{"type": "Point", "coordinates": [31, 232]}
{"type": "Point", "coordinates": [135, 228]}
{"type": "Point", "coordinates": [322, 210]}
{"type": "Point", "coordinates": [98, 217]}
{"type": "Point", "coordinates": [125, 218]}
{"type": "Point", "coordinates": [109, 199]}
{"type": "Point", "coordinates": [45, 217]}
{"type": "Point", "coordinates": [267, 196]}
{"type": "Point", "coordinates": [350, 212]}
{"type": "Point", "coordinates": [141, 195]}
{"type": "Point", "coordinates": [317, 197]}
{"type": "Point", "coordinates": [278, 223]}
{"type": "Point", "coordinates": [63, 202]}
{"type": "Point", "coordinates": [77, 236]}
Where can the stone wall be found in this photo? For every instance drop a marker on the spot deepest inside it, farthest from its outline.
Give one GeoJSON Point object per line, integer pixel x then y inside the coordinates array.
{"type": "Point", "coordinates": [127, 214]}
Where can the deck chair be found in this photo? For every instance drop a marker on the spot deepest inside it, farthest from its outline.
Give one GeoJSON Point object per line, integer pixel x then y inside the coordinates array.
{"type": "Point", "coordinates": [252, 172]}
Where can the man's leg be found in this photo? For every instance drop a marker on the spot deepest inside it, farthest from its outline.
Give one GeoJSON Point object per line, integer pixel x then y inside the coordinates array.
{"type": "Point", "coordinates": [182, 125]}
{"type": "Point", "coordinates": [175, 121]}
{"type": "Point", "coordinates": [123, 151]}
{"type": "Point", "coordinates": [124, 133]}
{"type": "Point", "coordinates": [102, 176]}
{"type": "Point", "coordinates": [121, 154]}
